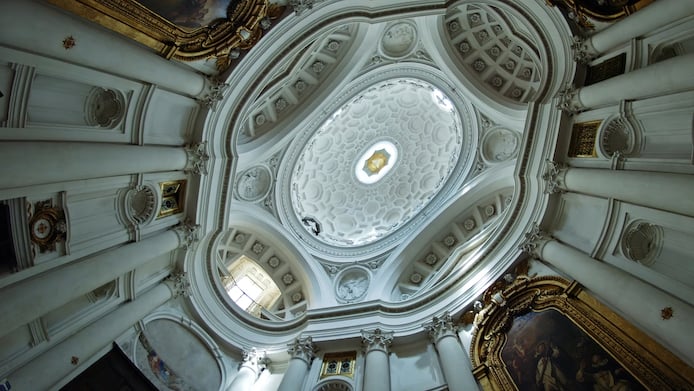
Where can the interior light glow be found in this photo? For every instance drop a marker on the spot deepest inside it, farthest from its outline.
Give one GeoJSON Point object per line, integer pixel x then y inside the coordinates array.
{"type": "Point", "coordinates": [376, 162]}
{"type": "Point", "coordinates": [441, 100]}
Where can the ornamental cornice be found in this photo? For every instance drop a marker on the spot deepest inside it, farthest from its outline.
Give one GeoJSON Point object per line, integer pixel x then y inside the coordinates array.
{"type": "Point", "coordinates": [188, 234]}
{"type": "Point", "coordinates": [554, 176]}
{"type": "Point", "coordinates": [197, 158]}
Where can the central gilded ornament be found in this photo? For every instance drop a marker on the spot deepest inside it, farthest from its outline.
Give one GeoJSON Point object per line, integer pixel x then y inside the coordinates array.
{"type": "Point", "coordinates": [376, 162]}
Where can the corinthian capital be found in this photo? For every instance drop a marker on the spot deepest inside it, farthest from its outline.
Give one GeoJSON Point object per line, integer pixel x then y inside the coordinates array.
{"type": "Point", "coordinates": [568, 100]}
{"type": "Point", "coordinates": [254, 360]}
{"type": "Point", "coordinates": [303, 348]}
{"type": "Point", "coordinates": [441, 326]}
{"type": "Point", "coordinates": [178, 282]}
{"type": "Point", "coordinates": [584, 52]}
{"type": "Point", "coordinates": [197, 158]}
{"type": "Point", "coordinates": [535, 240]}
{"type": "Point", "coordinates": [376, 340]}
{"type": "Point", "coordinates": [187, 233]}
{"type": "Point", "coordinates": [212, 93]}
{"type": "Point", "coordinates": [554, 176]}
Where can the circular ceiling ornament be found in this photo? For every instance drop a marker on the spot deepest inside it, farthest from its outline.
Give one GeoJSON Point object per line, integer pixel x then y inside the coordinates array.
{"type": "Point", "coordinates": [376, 162]}
{"type": "Point", "coordinates": [254, 183]}
{"type": "Point", "coordinates": [399, 40]}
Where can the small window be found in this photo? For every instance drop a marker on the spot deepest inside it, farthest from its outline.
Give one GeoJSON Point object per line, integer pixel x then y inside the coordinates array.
{"type": "Point", "coordinates": [250, 287]}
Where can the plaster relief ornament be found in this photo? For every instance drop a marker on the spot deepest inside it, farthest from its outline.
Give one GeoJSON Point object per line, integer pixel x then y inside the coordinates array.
{"type": "Point", "coordinates": [352, 285]}
{"type": "Point", "coordinates": [399, 40]}
{"type": "Point", "coordinates": [254, 183]}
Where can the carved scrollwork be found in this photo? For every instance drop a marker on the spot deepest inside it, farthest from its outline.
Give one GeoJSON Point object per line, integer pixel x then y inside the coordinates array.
{"type": "Point", "coordinates": [568, 100]}
{"type": "Point", "coordinates": [534, 240]}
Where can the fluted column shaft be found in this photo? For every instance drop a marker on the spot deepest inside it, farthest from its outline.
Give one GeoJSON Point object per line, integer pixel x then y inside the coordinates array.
{"type": "Point", "coordinates": [455, 364]}
{"type": "Point", "coordinates": [28, 299]}
{"type": "Point", "coordinates": [637, 300]}
{"type": "Point", "coordinates": [302, 351]}
{"type": "Point", "coordinates": [31, 163]}
{"type": "Point", "coordinates": [650, 18]}
{"type": "Point", "coordinates": [377, 364]}
{"type": "Point", "coordinates": [664, 191]}
{"type": "Point", "coordinates": [54, 365]}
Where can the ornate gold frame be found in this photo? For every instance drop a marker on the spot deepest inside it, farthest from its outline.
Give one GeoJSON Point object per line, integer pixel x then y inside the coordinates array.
{"type": "Point", "coordinates": [648, 362]}
{"type": "Point", "coordinates": [240, 30]}
{"type": "Point", "coordinates": [342, 357]}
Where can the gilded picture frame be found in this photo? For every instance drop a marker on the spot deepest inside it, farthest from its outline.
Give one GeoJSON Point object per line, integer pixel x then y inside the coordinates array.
{"type": "Point", "coordinates": [221, 38]}
{"type": "Point", "coordinates": [548, 331]}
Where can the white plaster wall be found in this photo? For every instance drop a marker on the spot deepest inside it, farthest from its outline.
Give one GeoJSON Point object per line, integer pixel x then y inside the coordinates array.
{"type": "Point", "coordinates": [579, 220]}
{"type": "Point", "coordinates": [414, 367]}
{"type": "Point", "coordinates": [169, 118]}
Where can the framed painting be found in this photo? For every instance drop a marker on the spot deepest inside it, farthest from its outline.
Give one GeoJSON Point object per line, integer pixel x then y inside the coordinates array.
{"type": "Point", "coordinates": [187, 30]}
{"type": "Point", "coordinates": [550, 335]}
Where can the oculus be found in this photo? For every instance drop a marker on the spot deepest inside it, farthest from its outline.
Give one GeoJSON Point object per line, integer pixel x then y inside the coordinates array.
{"type": "Point", "coordinates": [376, 162]}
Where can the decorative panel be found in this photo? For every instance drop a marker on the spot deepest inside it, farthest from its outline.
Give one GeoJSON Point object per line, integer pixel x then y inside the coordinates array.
{"type": "Point", "coordinates": [583, 137]}
{"type": "Point", "coordinates": [172, 198]}
{"type": "Point", "coordinates": [609, 68]}
{"type": "Point", "coordinates": [338, 364]}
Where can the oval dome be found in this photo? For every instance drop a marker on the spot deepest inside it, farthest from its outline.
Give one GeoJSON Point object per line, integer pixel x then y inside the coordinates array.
{"type": "Point", "coordinates": [376, 162]}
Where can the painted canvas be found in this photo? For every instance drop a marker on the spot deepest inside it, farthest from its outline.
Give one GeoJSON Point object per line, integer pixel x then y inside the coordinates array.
{"type": "Point", "coordinates": [546, 351]}
{"type": "Point", "coordinates": [190, 13]}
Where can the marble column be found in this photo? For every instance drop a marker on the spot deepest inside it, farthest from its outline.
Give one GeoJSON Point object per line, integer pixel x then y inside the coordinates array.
{"type": "Point", "coordinates": [377, 365]}
{"type": "Point", "coordinates": [664, 191]}
{"type": "Point", "coordinates": [26, 163]}
{"type": "Point", "coordinates": [249, 370]}
{"type": "Point", "coordinates": [302, 351]}
{"type": "Point", "coordinates": [655, 15]}
{"type": "Point", "coordinates": [639, 301]}
{"type": "Point", "coordinates": [31, 298]}
{"type": "Point", "coordinates": [455, 364]}
{"type": "Point", "coordinates": [662, 78]}
{"type": "Point", "coordinates": [45, 371]}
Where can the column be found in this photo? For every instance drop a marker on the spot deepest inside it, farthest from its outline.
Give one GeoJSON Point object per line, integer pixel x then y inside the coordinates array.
{"type": "Point", "coordinates": [95, 47]}
{"type": "Point", "coordinates": [249, 370]}
{"type": "Point", "coordinates": [640, 302]}
{"type": "Point", "coordinates": [454, 362]}
{"type": "Point", "coordinates": [664, 191]}
{"type": "Point", "coordinates": [302, 351]}
{"type": "Point", "coordinates": [655, 15]}
{"type": "Point", "coordinates": [31, 163]}
{"type": "Point", "coordinates": [31, 298]}
{"type": "Point", "coordinates": [54, 365]}
{"type": "Point", "coordinates": [662, 78]}
{"type": "Point", "coordinates": [376, 365]}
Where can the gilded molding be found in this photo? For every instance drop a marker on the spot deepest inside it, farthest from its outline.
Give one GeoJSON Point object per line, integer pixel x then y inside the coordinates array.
{"type": "Point", "coordinates": [652, 365]}
{"type": "Point", "coordinates": [240, 30]}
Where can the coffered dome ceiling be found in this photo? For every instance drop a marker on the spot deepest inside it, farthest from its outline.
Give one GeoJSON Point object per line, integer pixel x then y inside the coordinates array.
{"type": "Point", "coordinates": [376, 162]}
{"type": "Point", "coordinates": [375, 158]}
